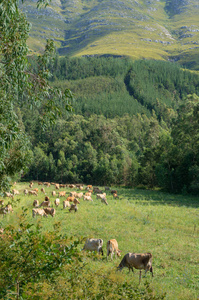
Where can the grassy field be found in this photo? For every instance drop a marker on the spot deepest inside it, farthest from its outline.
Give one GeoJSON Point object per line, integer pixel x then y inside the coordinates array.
{"type": "Point", "coordinates": [141, 221]}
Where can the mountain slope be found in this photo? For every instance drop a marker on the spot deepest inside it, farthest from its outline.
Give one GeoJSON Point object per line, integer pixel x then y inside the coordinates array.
{"type": "Point", "coordinates": [139, 29]}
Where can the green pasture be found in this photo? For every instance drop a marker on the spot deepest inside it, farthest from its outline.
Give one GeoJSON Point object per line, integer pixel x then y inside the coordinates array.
{"type": "Point", "coordinates": [142, 221]}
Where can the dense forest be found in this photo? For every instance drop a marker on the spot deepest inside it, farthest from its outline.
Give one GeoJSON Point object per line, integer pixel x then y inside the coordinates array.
{"type": "Point", "coordinates": [134, 124]}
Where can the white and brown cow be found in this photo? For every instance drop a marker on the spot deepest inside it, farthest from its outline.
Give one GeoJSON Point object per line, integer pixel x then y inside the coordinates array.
{"type": "Point", "coordinates": [94, 245]}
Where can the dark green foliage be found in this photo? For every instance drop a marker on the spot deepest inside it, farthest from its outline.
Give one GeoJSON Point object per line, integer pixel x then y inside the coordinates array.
{"type": "Point", "coordinates": [28, 255]}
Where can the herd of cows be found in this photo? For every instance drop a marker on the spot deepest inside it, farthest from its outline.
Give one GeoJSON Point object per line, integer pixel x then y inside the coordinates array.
{"type": "Point", "coordinates": [130, 260]}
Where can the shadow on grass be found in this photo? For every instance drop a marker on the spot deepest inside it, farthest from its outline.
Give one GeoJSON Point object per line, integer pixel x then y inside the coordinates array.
{"type": "Point", "coordinates": [145, 197]}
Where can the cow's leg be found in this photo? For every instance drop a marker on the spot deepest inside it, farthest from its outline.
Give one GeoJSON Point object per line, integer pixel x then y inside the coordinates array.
{"type": "Point", "coordinates": [151, 270]}
{"type": "Point", "coordinates": [140, 276]}
{"type": "Point", "coordinates": [108, 252]}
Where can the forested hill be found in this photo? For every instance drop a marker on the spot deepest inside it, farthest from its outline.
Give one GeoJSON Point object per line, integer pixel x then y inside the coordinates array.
{"type": "Point", "coordinates": [166, 29]}
{"type": "Point", "coordinates": [134, 123]}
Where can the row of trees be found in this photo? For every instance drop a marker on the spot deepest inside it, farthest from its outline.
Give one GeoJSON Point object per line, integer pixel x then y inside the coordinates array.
{"type": "Point", "coordinates": [129, 150]}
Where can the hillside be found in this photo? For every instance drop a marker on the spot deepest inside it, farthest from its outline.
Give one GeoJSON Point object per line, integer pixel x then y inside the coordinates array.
{"type": "Point", "coordinates": [166, 30]}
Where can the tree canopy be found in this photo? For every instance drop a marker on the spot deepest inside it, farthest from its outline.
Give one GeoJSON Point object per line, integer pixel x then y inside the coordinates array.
{"type": "Point", "coordinates": [19, 87]}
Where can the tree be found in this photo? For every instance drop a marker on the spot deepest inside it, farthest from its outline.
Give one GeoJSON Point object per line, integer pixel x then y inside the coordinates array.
{"type": "Point", "coordinates": [19, 85]}
{"type": "Point", "coordinates": [29, 255]}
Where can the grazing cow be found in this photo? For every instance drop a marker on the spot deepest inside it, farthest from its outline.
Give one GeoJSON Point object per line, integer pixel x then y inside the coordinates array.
{"type": "Point", "coordinates": [71, 186]}
{"type": "Point", "coordinates": [112, 246]}
{"type": "Point", "coordinates": [101, 196]}
{"type": "Point", "coordinates": [3, 211]}
{"type": "Point", "coordinates": [32, 193]}
{"type": "Point", "coordinates": [15, 192]}
{"type": "Point", "coordinates": [97, 190]}
{"type": "Point", "coordinates": [79, 195]}
{"type": "Point", "coordinates": [43, 190]}
{"type": "Point", "coordinates": [36, 190]}
{"type": "Point", "coordinates": [94, 245]}
{"type": "Point", "coordinates": [47, 198]}
{"type": "Point", "coordinates": [62, 194]}
{"type": "Point", "coordinates": [57, 202]}
{"type": "Point", "coordinates": [1, 202]}
{"type": "Point", "coordinates": [66, 204]}
{"type": "Point", "coordinates": [76, 201]}
{"type": "Point", "coordinates": [88, 194]}
{"type": "Point", "coordinates": [57, 186]}
{"type": "Point", "coordinates": [31, 184]}
{"type": "Point", "coordinates": [103, 200]}
{"type": "Point", "coordinates": [62, 185]}
{"type": "Point", "coordinates": [49, 211]}
{"type": "Point", "coordinates": [25, 192]}
{"type": "Point", "coordinates": [36, 203]}
{"type": "Point", "coordinates": [73, 207]}
{"type": "Point", "coordinates": [8, 208]}
{"type": "Point", "coordinates": [40, 183]}
{"type": "Point", "coordinates": [107, 188]}
{"type": "Point", "coordinates": [113, 192]}
{"type": "Point", "coordinates": [70, 199]}
{"type": "Point", "coordinates": [39, 212]}
{"type": "Point", "coordinates": [9, 195]}
{"type": "Point", "coordinates": [45, 204]}
{"type": "Point", "coordinates": [87, 198]}
{"type": "Point", "coordinates": [138, 261]}
{"type": "Point", "coordinates": [115, 196]}
{"type": "Point", "coordinates": [54, 193]}
{"type": "Point", "coordinates": [73, 194]}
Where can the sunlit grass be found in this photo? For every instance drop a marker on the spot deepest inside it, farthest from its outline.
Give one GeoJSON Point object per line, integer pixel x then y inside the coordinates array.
{"type": "Point", "coordinates": [141, 221]}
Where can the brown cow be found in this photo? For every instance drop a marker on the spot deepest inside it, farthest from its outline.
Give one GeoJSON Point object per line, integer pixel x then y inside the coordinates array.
{"type": "Point", "coordinates": [31, 184]}
{"type": "Point", "coordinates": [36, 203]}
{"type": "Point", "coordinates": [138, 261]}
{"type": "Point", "coordinates": [62, 194]}
{"type": "Point", "coordinates": [25, 192]}
{"type": "Point", "coordinates": [15, 192]}
{"type": "Point", "coordinates": [57, 186]}
{"type": "Point", "coordinates": [3, 211]}
{"type": "Point", "coordinates": [53, 193]}
{"type": "Point", "coordinates": [66, 204]}
{"type": "Point", "coordinates": [9, 208]}
{"type": "Point", "coordinates": [32, 193]}
{"type": "Point", "coordinates": [39, 212]}
{"type": "Point", "coordinates": [115, 196]}
{"type": "Point", "coordinates": [113, 192]}
{"type": "Point", "coordinates": [70, 199]}
{"type": "Point", "coordinates": [43, 190]}
{"type": "Point", "coordinates": [73, 207]}
{"type": "Point", "coordinates": [45, 204]}
{"type": "Point", "coordinates": [73, 194]}
{"type": "Point", "coordinates": [49, 211]}
{"type": "Point", "coordinates": [1, 202]}
{"type": "Point", "coordinates": [112, 246]}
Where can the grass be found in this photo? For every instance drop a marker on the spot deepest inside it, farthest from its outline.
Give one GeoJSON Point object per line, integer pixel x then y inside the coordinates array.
{"type": "Point", "coordinates": [141, 221]}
